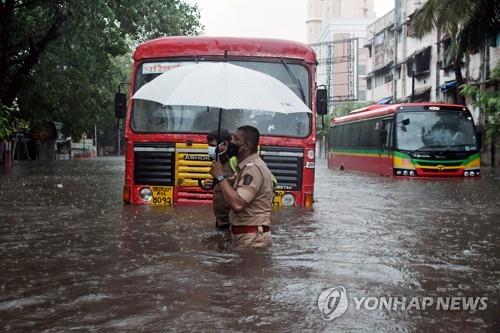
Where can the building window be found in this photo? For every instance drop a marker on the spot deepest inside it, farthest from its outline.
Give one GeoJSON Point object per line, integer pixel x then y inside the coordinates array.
{"type": "Point", "coordinates": [400, 35]}
{"type": "Point", "coordinates": [361, 69]}
{"type": "Point", "coordinates": [379, 80]}
{"type": "Point", "coordinates": [420, 63]}
{"type": "Point", "coordinates": [423, 61]}
{"type": "Point", "coordinates": [362, 95]}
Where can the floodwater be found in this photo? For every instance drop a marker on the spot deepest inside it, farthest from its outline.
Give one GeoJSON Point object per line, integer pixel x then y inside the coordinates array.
{"type": "Point", "coordinates": [74, 258]}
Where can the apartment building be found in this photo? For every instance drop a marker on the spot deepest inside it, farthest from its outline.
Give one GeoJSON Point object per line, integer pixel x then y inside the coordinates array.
{"type": "Point", "coordinates": [402, 67]}
{"type": "Point", "coordinates": [336, 29]}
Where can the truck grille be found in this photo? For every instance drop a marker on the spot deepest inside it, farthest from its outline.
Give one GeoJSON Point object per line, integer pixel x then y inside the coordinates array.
{"type": "Point", "coordinates": [286, 165]}
{"type": "Point", "coordinates": [192, 164]}
{"type": "Point", "coordinates": [154, 164]}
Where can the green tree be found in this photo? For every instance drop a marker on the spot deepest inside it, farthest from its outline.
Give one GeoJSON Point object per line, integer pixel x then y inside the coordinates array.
{"type": "Point", "coordinates": [339, 110]}
{"type": "Point", "coordinates": [26, 29]}
{"type": "Point", "coordinates": [343, 109]}
{"type": "Point", "coordinates": [5, 116]}
{"type": "Point", "coordinates": [468, 23]}
{"type": "Point", "coordinates": [489, 102]}
{"type": "Point", "coordinates": [64, 59]}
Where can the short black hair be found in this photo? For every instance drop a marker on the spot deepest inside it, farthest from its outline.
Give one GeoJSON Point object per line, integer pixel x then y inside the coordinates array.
{"type": "Point", "coordinates": [224, 136]}
{"type": "Point", "coordinates": [251, 136]}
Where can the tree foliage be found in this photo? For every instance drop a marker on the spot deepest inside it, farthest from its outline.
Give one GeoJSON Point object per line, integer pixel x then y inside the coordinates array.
{"type": "Point", "coordinates": [343, 109]}
{"type": "Point", "coordinates": [63, 59]}
{"type": "Point", "coordinates": [489, 102]}
{"type": "Point", "coordinates": [339, 110]}
{"type": "Point", "coordinates": [5, 116]}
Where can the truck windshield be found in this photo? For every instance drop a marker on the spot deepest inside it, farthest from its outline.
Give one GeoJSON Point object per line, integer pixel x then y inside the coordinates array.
{"type": "Point", "coordinates": [149, 116]}
{"type": "Point", "coordinates": [435, 131]}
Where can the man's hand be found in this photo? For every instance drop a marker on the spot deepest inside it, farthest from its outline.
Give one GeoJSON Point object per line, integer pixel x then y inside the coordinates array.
{"type": "Point", "coordinates": [230, 195]}
{"type": "Point", "coordinates": [216, 169]}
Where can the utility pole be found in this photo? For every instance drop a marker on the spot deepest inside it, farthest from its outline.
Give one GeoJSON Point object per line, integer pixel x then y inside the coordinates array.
{"type": "Point", "coordinates": [118, 136]}
{"type": "Point", "coordinates": [404, 53]}
{"type": "Point", "coordinates": [397, 25]}
{"type": "Point", "coordinates": [438, 70]}
{"type": "Point", "coordinates": [413, 80]}
{"type": "Point", "coordinates": [95, 139]}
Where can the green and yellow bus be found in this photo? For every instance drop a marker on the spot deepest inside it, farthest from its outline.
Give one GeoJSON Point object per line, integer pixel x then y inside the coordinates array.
{"type": "Point", "coordinates": [406, 140]}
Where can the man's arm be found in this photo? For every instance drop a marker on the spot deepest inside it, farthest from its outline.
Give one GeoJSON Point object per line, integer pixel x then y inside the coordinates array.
{"type": "Point", "coordinates": [235, 202]}
{"type": "Point", "coordinates": [232, 197]}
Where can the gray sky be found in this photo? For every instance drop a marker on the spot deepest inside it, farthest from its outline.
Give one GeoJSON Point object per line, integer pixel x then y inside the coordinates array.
{"type": "Point", "coordinates": [262, 18]}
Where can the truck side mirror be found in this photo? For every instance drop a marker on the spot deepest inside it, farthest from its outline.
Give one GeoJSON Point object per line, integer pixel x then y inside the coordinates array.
{"type": "Point", "coordinates": [120, 105]}
{"type": "Point", "coordinates": [321, 101]}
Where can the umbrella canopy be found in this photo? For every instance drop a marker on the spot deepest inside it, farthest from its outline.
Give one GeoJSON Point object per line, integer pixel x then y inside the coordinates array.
{"type": "Point", "coordinates": [221, 85]}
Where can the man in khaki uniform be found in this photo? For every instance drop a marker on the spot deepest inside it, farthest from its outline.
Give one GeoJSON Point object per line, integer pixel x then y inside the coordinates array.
{"type": "Point", "coordinates": [250, 198]}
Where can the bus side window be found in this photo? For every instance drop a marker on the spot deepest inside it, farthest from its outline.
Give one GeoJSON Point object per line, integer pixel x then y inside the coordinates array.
{"type": "Point", "coordinates": [374, 133]}
{"type": "Point", "coordinates": [388, 128]}
{"type": "Point", "coordinates": [332, 133]}
{"type": "Point", "coordinates": [356, 135]}
{"type": "Point", "coordinates": [340, 135]}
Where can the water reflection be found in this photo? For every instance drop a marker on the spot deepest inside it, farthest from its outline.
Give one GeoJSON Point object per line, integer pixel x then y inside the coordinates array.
{"type": "Point", "coordinates": [73, 257]}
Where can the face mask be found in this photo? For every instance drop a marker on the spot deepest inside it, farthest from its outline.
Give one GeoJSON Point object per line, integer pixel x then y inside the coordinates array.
{"type": "Point", "coordinates": [211, 152]}
{"type": "Point", "coordinates": [232, 150]}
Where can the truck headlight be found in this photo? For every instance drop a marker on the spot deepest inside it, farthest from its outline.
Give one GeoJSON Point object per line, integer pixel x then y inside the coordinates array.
{"type": "Point", "coordinates": [146, 194]}
{"type": "Point", "coordinates": [288, 200]}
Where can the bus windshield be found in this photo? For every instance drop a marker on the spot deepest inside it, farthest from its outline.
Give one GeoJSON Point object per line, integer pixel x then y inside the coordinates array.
{"type": "Point", "coordinates": [441, 130]}
{"type": "Point", "coordinates": [153, 117]}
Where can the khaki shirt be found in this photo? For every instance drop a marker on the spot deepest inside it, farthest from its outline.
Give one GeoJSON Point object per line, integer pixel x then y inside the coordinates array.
{"type": "Point", "coordinates": [254, 185]}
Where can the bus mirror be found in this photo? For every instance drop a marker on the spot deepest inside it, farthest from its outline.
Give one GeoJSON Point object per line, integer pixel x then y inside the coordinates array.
{"type": "Point", "coordinates": [321, 101]}
{"type": "Point", "coordinates": [120, 105]}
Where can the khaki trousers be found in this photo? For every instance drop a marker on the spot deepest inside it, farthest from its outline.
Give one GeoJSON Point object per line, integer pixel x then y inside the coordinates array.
{"type": "Point", "coordinates": [254, 240]}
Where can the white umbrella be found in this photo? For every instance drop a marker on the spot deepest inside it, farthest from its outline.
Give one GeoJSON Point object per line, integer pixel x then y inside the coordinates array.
{"type": "Point", "coordinates": [221, 85]}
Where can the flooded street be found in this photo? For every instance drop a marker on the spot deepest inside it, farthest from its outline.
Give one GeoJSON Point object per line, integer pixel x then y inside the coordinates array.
{"type": "Point", "coordinates": [74, 258]}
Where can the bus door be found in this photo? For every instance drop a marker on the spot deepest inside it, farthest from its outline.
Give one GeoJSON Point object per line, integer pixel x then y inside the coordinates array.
{"type": "Point", "coordinates": [385, 147]}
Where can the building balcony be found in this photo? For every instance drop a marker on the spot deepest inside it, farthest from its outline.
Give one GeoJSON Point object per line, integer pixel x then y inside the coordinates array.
{"type": "Point", "coordinates": [380, 24]}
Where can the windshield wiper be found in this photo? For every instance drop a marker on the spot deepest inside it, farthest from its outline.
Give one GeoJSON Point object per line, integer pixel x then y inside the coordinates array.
{"type": "Point", "coordinates": [295, 80]}
{"type": "Point", "coordinates": [458, 146]}
{"type": "Point", "coordinates": [423, 148]}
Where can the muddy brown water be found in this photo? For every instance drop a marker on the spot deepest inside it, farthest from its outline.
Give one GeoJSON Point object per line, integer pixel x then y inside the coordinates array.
{"type": "Point", "coordinates": [74, 258]}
